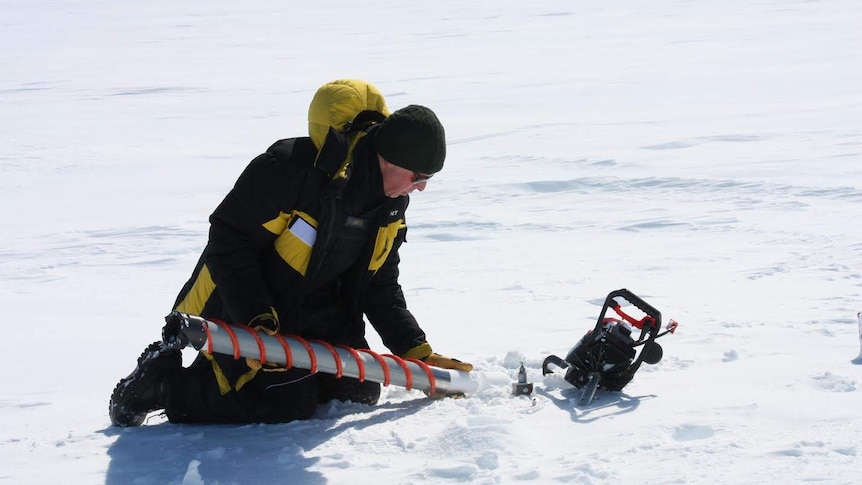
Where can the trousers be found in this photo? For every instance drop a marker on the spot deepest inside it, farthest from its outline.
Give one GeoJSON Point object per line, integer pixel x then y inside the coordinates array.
{"type": "Point", "coordinates": [272, 396]}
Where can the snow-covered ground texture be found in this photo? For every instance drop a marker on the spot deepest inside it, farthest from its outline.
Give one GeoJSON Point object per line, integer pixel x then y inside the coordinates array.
{"type": "Point", "coordinates": [706, 155]}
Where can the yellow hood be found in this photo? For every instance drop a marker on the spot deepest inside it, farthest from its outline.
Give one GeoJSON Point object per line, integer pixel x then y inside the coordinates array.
{"type": "Point", "coordinates": [336, 103]}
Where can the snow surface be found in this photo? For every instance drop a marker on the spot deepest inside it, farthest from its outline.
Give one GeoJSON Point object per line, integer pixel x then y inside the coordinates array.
{"type": "Point", "coordinates": [705, 155]}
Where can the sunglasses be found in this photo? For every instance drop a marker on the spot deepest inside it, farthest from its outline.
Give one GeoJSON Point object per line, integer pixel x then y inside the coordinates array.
{"type": "Point", "coordinates": [418, 178]}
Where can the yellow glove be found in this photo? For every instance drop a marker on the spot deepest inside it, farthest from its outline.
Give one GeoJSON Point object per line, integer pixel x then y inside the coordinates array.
{"type": "Point", "coordinates": [266, 322]}
{"type": "Point", "coordinates": [424, 353]}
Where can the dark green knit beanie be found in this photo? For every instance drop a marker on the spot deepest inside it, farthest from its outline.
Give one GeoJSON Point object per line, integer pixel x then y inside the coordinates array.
{"type": "Point", "coordinates": [412, 138]}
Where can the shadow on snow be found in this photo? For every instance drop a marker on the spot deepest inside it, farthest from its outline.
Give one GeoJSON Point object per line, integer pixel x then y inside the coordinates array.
{"type": "Point", "coordinates": [254, 453]}
{"type": "Point", "coordinates": [604, 404]}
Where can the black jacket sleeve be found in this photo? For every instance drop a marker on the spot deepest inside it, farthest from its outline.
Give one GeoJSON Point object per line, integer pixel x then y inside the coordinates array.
{"type": "Point", "coordinates": [238, 236]}
{"type": "Point", "coordinates": [386, 308]}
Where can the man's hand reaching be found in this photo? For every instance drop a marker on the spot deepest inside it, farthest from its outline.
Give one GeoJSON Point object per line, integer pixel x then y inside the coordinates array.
{"type": "Point", "coordinates": [424, 353]}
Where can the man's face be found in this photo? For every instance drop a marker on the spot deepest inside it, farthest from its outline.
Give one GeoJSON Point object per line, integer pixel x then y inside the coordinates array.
{"type": "Point", "coordinates": [399, 181]}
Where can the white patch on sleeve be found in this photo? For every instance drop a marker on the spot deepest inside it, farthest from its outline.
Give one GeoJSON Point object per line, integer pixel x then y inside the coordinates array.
{"type": "Point", "coordinates": [304, 231]}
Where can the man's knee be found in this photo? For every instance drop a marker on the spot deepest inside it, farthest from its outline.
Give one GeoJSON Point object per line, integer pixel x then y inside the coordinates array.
{"type": "Point", "coordinates": [269, 397]}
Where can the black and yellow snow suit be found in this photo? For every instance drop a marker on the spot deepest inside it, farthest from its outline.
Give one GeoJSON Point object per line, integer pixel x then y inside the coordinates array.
{"type": "Point", "coordinates": [316, 239]}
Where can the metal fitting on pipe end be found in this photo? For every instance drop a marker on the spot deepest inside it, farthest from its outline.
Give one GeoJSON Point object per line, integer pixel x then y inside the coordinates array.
{"type": "Point", "coordinates": [182, 329]}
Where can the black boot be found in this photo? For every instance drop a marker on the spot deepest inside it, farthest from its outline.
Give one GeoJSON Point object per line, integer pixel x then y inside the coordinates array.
{"type": "Point", "coordinates": [144, 390]}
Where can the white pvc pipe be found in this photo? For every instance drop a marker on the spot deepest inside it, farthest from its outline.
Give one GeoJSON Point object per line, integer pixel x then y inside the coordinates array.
{"type": "Point", "coordinates": [375, 367]}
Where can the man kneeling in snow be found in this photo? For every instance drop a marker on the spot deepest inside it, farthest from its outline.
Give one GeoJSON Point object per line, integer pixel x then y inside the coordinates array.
{"type": "Point", "coordinates": [306, 243]}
